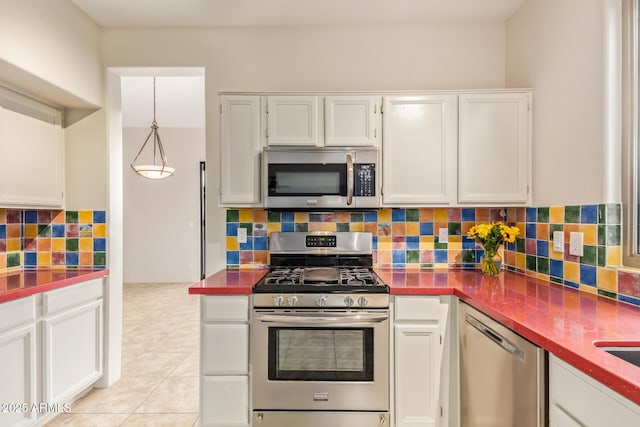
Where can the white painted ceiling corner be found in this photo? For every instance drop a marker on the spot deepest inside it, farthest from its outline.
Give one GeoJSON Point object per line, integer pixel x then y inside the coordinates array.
{"type": "Point", "coordinates": [241, 13]}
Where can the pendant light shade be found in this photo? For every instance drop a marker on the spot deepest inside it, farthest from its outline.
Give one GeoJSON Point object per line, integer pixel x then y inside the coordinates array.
{"type": "Point", "coordinates": [158, 167]}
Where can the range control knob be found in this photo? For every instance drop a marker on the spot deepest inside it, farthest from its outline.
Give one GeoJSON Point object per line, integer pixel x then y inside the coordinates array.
{"type": "Point", "coordinates": [348, 301]}
{"type": "Point", "coordinates": [293, 301]}
{"type": "Point", "coordinates": [278, 301]}
{"type": "Point", "coordinates": [321, 301]}
{"type": "Point", "coordinates": [362, 302]}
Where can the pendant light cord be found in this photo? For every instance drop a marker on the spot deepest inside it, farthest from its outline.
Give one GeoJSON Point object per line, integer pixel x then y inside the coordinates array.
{"type": "Point", "coordinates": [157, 144]}
{"type": "Point", "coordinates": [154, 100]}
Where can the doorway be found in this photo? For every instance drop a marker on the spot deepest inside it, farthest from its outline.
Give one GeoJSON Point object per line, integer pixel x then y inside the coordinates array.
{"type": "Point", "coordinates": [161, 218]}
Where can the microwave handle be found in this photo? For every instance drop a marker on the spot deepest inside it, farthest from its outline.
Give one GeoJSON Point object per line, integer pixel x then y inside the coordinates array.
{"type": "Point", "coordinates": [349, 179]}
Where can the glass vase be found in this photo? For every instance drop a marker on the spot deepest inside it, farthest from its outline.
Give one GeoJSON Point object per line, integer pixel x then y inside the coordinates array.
{"type": "Point", "coordinates": [491, 263]}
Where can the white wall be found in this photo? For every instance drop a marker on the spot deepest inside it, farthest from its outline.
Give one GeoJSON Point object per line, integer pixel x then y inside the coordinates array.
{"type": "Point", "coordinates": [438, 56]}
{"type": "Point", "coordinates": [161, 218]}
{"type": "Point", "coordinates": [50, 48]}
{"type": "Point", "coordinates": [86, 163]}
{"type": "Point", "coordinates": [556, 47]}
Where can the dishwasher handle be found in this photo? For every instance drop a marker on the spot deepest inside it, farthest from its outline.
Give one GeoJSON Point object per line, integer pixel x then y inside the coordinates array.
{"type": "Point", "coordinates": [495, 337]}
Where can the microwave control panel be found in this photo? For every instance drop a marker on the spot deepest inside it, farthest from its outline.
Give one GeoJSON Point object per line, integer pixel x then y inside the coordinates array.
{"type": "Point", "coordinates": [364, 179]}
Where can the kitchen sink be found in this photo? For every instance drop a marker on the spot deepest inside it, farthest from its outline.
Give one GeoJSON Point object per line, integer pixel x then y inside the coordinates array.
{"type": "Point", "coordinates": [629, 352]}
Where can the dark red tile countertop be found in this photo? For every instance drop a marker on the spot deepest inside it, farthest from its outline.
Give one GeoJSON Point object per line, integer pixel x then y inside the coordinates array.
{"type": "Point", "coordinates": [29, 282]}
{"type": "Point", "coordinates": [564, 321]}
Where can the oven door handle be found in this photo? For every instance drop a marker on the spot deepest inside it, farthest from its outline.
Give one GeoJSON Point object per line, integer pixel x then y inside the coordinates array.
{"type": "Point", "coordinates": [349, 179]}
{"type": "Point", "coordinates": [349, 320]}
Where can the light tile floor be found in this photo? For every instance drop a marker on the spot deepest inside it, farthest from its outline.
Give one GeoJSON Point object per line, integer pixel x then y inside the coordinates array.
{"type": "Point", "coordinates": [159, 384]}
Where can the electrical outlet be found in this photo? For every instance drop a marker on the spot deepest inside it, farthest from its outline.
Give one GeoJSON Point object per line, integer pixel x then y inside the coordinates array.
{"type": "Point", "coordinates": [558, 241]}
{"type": "Point", "coordinates": [576, 242]}
{"type": "Point", "coordinates": [242, 235]}
{"type": "Point", "coordinates": [443, 235]}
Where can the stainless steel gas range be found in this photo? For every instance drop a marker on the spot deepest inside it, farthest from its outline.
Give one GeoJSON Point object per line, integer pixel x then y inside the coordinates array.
{"type": "Point", "coordinates": [320, 334]}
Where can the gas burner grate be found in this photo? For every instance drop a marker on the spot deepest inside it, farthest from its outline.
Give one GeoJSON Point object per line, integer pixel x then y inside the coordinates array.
{"type": "Point", "coordinates": [357, 276]}
{"type": "Point", "coordinates": [284, 276]}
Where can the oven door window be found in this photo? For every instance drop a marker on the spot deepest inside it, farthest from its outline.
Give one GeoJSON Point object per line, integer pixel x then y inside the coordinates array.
{"type": "Point", "coordinates": [307, 179]}
{"type": "Point", "coordinates": [320, 354]}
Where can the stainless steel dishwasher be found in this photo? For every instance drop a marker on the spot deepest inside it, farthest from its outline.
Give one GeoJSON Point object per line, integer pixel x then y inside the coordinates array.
{"type": "Point", "coordinates": [502, 375]}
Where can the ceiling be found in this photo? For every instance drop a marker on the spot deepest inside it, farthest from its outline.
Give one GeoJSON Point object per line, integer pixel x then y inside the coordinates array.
{"type": "Point", "coordinates": [236, 13]}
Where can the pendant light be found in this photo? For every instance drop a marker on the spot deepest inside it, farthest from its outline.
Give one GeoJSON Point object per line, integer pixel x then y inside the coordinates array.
{"type": "Point", "coordinates": [155, 169]}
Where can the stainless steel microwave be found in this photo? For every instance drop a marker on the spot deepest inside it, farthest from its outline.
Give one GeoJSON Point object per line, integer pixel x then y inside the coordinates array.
{"type": "Point", "coordinates": [321, 178]}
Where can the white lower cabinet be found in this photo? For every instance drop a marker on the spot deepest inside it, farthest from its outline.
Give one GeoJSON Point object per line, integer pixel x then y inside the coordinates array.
{"type": "Point", "coordinates": [50, 351]}
{"type": "Point", "coordinates": [224, 361]}
{"type": "Point", "coordinates": [18, 373]}
{"type": "Point", "coordinates": [419, 336]}
{"type": "Point", "coordinates": [575, 399]}
{"type": "Point", "coordinates": [559, 418]}
{"type": "Point", "coordinates": [72, 351]}
{"type": "Point", "coordinates": [226, 400]}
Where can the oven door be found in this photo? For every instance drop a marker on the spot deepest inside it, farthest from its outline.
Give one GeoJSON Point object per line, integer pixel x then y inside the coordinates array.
{"type": "Point", "coordinates": [320, 360]}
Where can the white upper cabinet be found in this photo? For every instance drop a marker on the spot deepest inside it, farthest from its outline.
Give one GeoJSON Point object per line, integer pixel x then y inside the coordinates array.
{"type": "Point", "coordinates": [437, 148]}
{"type": "Point", "coordinates": [293, 120]}
{"type": "Point", "coordinates": [419, 150]}
{"type": "Point", "coordinates": [240, 151]}
{"type": "Point", "coordinates": [31, 160]}
{"type": "Point", "coordinates": [351, 121]}
{"type": "Point", "coordinates": [494, 148]}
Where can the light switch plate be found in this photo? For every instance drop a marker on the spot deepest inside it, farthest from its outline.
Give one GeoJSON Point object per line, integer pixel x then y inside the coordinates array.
{"type": "Point", "coordinates": [558, 241]}
{"type": "Point", "coordinates": [576, 242]}
{"type": "Point", "coordinates": [242, 235]}
{"type": "Point", "coordinates": [443, 235]}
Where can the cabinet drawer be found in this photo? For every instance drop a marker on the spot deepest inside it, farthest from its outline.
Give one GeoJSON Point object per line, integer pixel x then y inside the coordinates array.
{"type": "Point", "coordinates": [71, 296]}
{"type": "Point", "coordinates": [14, 313]}
{"type": "Point", "coordinates": [418, 308]}
{"type": "Point", "coordinates": [224, 401]}
{"type": "Point", "coordinates": [225, 349]}
{"type": "Point", "coordinates": [218, 308]}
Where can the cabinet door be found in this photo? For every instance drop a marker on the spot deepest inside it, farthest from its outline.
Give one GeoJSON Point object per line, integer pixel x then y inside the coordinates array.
{"type": "Point", "coordinates": [240, 151]}
{"type": "Point", "coordinates": [18, 373]}
{"type": "Point", "coordinates": [580, 399]}
{"type": "Point", "coordinates": [72, 351]}
{"type": "Point", "coordinates": [494, 148]}
{"type": "Point", "coordinates": [417, 375]}
{"type": "Point", "coordinates": [559, 418]}
{"type": "Point", "coordinates": [224, 401]}
{"type": "Point", "coordinates": [293, 120]}
{"type": "Point", "coordinates": [31, 161]}
{"type": "Point", "coordinates": [419, 150]}
{"type": "Point", "coordinates": [225, 349]}
{"type": "Point", "coordinates": [350, 121]}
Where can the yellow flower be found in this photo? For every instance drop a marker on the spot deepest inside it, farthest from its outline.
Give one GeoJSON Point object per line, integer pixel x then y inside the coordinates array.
{"type": "Point", "coordinates": [493, 234]}
{"type": "Point", "coordinates": [472, 231]}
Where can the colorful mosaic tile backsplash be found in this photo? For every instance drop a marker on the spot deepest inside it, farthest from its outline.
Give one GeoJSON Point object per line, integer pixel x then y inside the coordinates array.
{"type": "Point", "coordinates": [52, 239]}
{"type": "Point", "coordinates": [408, 238]}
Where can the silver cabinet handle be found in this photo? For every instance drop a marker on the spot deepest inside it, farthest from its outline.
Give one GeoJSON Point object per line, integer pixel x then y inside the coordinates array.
{"type": "Point", "coordinates": [349, 179]}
